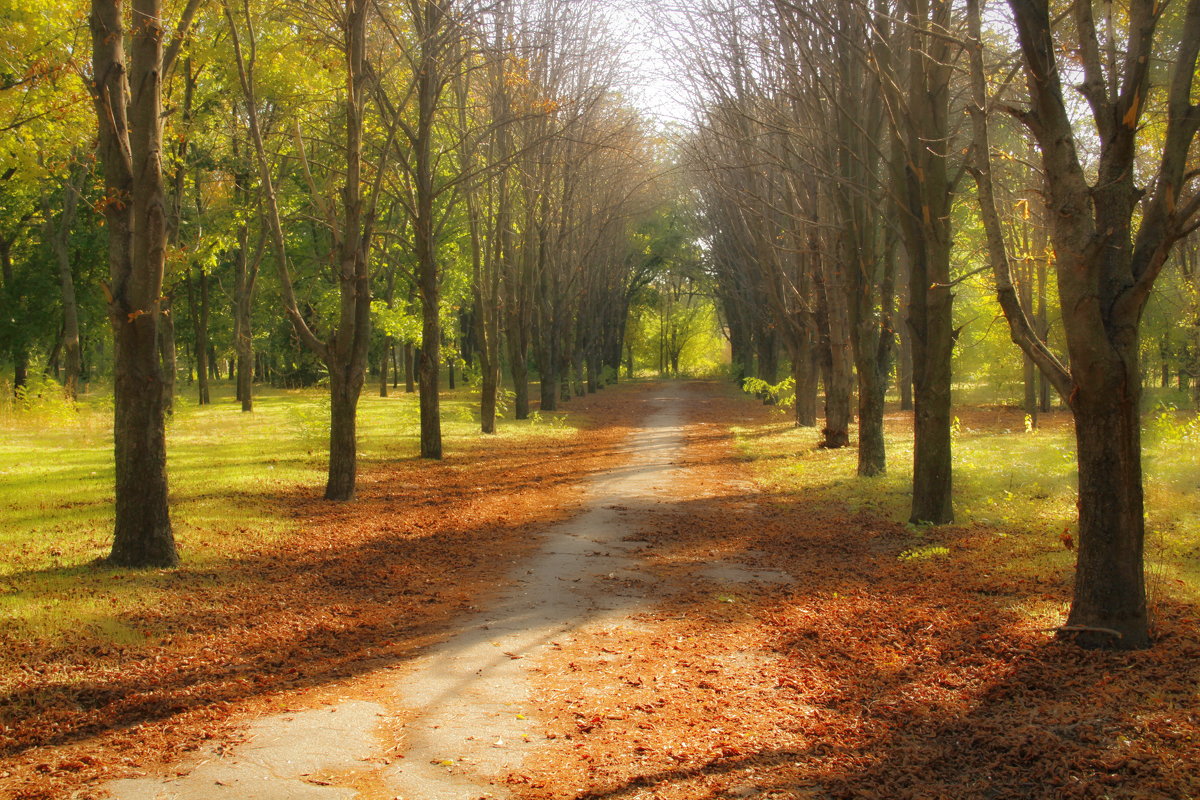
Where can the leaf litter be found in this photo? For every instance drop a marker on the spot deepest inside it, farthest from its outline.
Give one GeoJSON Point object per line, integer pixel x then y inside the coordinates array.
{"type": "Point", "coordinates": [861, 678]}
{"type": "Point", "coordinates": [866, 677]}
{"type": "Point", "coordinates": [313, 616]}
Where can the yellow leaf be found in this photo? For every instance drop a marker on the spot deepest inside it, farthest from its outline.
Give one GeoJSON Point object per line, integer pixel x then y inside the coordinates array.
{"type": "Point", "coordinates": [1131, 116]}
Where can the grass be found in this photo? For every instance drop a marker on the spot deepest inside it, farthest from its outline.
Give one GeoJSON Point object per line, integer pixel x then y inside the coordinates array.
{"type": "Point", "coordinates": [226, 470]}
{"type": "Point", "coordinates": [1017, 485]}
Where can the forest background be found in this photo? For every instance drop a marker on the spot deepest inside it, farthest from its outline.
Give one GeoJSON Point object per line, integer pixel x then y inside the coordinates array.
{"type": "Point", "coordinates": [877, 202]}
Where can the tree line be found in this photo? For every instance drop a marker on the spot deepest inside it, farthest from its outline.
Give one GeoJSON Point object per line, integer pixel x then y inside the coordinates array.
{"type": "Point", "coordinates": [333, 188]}
{"type": "Point", "coordinates": [857, 163]}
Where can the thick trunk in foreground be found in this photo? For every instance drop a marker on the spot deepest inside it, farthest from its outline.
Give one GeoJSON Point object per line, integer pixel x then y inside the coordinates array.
{"type": "Point", "coordinates": [1109, 584]}
{"type": "Point", "coordinates": [1111, 240]}
{"type": "Point", "coordinates": [130, 145]}
{"type": "Point", "coordinates": [143, 535]}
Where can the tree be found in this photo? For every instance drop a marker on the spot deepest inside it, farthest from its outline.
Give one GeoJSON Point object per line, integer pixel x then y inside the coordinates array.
{"type": "Point", "coordinates": [1112, 228]}
{"type": "Point", "coordinates": [345, 351]}
{"type": "Point", "coordinates": [128, 104]}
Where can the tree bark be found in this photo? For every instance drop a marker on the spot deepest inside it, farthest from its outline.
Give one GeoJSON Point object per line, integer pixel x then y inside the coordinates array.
{"type": "Point", "coordinates": [518, 364]}
{"type": "Point", "coordinates": [839, 361]}
{"type": "Point", "coordinates": [1109, 584]}
{"type": "Point", "coordinates": [130, 144]}
{"type": "Point", "coordinates": [806, 371]}
{"type": "Point", "coordinates": [430, 19]}
{"type": "Point", "coordinates": [345, 386]}
{"type": "Point", "coordinates": [926, 224]}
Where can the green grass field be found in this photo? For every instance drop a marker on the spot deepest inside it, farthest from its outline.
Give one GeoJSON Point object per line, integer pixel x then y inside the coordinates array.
{"type": "Point", "coordinates": [226, 469]}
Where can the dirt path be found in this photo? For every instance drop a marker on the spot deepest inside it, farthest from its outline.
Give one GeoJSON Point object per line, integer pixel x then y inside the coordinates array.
{"type": "Point", "coordinates": [461, 717]}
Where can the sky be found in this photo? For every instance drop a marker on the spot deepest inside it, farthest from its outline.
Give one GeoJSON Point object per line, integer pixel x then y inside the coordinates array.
{"type": "Point", "coordinates": [642, 26]}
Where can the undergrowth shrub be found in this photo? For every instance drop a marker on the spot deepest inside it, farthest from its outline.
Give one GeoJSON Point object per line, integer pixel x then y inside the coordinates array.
{"type": "Point", "coordinates": [782, 394]}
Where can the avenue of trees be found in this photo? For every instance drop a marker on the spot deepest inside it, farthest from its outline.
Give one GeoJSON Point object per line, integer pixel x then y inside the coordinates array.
{"type": "Point", "coordinates": [857, 163]}
{"type": "Point", "coordinates": [406, 191]}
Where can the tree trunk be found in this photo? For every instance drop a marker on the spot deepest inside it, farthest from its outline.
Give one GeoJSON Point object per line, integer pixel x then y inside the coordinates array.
{"type": "Point", "coordinates": [61, 243]}
{"type": "Point", "coordinates": [490, 386]}
{"type": "Point", "coordinates": [245, 371]}
{"type": "Point", "coordinates": [1030, 370]}
{"type": "Point", "coordinates": [130, 144]}
{"type": "Point", "coordinates": [768, 357]}
{"type": "Point", "coordinates": [564, 379]}
{"type": "Point", "coordinates": [143, 535]}
{"type": "Point", "coordinates": [1042, 320]}
{"type": "Point", "coordinates": [385, 361]}
{"type": "Point", "coordinates": [838, 362]}
{"type": "Point", "coordinates": [409, 380]}
{"type": "Point", "coordinates": [594, 383]}
{"type": "Point", "coordinates": [20, 369]}
{"type": "Point", "coordinates": [518, 365]}
{"type": "Point", "coordinates": [243, 339]}
{"type": "Point", "coordinates": [549, 387]}
{"type": "Point", "coordinates": [930, 317]}
{"type": "Point", "coordinates": [806, 371]}
{"type": "Point", "coordinates": [431, 421]}
{"type": "Point", "coordinates": [199, 309]}
{"type": "Point", "coordinates": [428, 92]}
{"type": "Point", "coordinates": [344, 391]}
{"type": "Point", "coordinates": [838, 382]}
{"type": "Point", "coordinates": [1109, 584]}
{"type": "Point", "coordinates": [904, 372]}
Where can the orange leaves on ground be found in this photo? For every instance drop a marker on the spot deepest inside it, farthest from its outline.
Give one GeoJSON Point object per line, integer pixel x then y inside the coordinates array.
{"type": "Point", "coordinates": [355, 588]}
{"type": "Point", "coordinates": [871, 676]}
